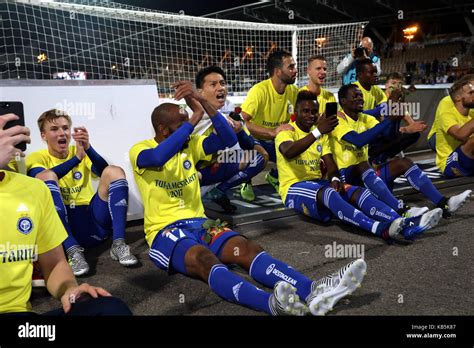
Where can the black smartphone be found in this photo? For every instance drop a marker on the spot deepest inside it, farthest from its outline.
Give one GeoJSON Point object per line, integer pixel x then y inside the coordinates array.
{"type": "Point", "coordinates": [17, 109]}
{"type": "Point", "coordinates": [331, 109]}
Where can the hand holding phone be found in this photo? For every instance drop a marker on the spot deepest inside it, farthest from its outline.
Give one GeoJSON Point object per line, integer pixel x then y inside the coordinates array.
{"type": "Point", "coordinates": [15, 108]}
{"type": "Point", "coordinates": [331, 109]}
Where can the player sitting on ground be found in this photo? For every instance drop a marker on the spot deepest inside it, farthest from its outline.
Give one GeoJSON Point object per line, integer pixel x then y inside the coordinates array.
{"type": "Point", "coordinates": [89, 218]}
{"type": "Point", "coordinates": [211, 83]}
{"type": "Point", "coordinates": [270, 103]}
{"type": "Point", "coordinates": [299, 153]}
{"type": "Point", "coordinates": [31, 229]}
{"type": "Point", "coordinates": [349, 146]}
{"type": "Point", "coordinates": [453, 130]}
{"type": "Point", "coordinates": [401, 137]}
{"type": "Point", "coordinates": [180, 237]}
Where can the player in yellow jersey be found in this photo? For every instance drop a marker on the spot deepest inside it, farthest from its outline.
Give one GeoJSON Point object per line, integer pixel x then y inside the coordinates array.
{"type": "Point", "coordinates": [180, 237]}
{"type": "Point", "coordinates": [317, 72]}
{"type": "Point", "coordinates": [302, 187]}
{"type": "Point", "coordinates": [237, 165]}
{"type": "Point", "coordinates": [32, 230]}
{"type": "Point", "coordinates": [349, 143]}
{"type": "Point", "coordinates": [270, 103]}
{"type": "Point", "coordinates": [89, 217]}
{"type": "Point", "coordinates": [452, 132]}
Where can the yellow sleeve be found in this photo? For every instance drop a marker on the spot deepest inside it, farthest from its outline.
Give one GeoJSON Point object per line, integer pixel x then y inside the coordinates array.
{"type": "Point", "coordinates": [253, 101]}
{"type": "Point", "coordinates": [325, 144]}
{"type": "Point", "coordinates": [342, 129]}
{"type": "Point", "coordinates": [51, 232]}
{"type": "Point", "coordinates": [446, 120]}
{"type": "Point", "coordinates": [195, 145]}
{"type": "Point", "coordinates": [379, 95]}
{"type": "Point", "coordinates": [283, 137]}
{"type": "Point", "coordinates": [133, 154]}
{"type": "Point", "coordinates": [35, 160]}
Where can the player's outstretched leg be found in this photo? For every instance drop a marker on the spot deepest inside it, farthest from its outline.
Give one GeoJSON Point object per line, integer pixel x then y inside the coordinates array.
{"type": "Point", "coordinates": [113, 189]}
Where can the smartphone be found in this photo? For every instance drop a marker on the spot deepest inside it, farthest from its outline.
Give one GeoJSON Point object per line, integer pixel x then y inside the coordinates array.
{"type": "Point", "coordinates": [17, 109]}
{"type": "Point", "coordinates": [331, 109]}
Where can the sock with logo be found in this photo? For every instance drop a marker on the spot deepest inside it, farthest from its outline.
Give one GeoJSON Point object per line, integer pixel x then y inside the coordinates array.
{"type": "Point", "coordinates": [62, 212]}
{"type": "Point", "coordinates": [371, 206]}
{"type": "Point", "coordinates": [419, 181]}
{"type": "Point", "coordinates": [380, 190]}
{"type": "Point", "coordinates": [118, 205]}
{"type": "Point", "coordinates": [255, 166]}
{"type": "Point", "coordinates": [268, 271]}
{"type": "Point", "coordinates": [235, 289]}
{"type": "Point", "coordinates": [347, 213]}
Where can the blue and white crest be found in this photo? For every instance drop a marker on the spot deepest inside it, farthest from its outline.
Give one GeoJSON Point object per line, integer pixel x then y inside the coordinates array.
{"type": "Point", "coordinates": [319, 148]}
{"type": "Point", "coordinates": [24, 225]}
{"type": "Point", "coordinates": [77, 175]}
{"type": "Point", "coordinates": [187, 164]}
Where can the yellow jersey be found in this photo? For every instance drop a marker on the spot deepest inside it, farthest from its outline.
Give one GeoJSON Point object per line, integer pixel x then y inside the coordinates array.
{"type": "Point", "coordinates": [30, 226]}
{"type": "Point", "coordinates": [268, 108]}
{"type": "Point", "coordinates": [171, 192]}
{"type": "Point", "coordinates": [324, 97]}
{"type": "Point", "coordinates": [76, 186]}
{"type": "Point", "coordinates": [346, 154]}
{"type": "Point", "coordinates": [447, 116]}
{"type": "Point", "coordinates": [303, 167]}
{"type": "Point", "coordinates": [373, 97]}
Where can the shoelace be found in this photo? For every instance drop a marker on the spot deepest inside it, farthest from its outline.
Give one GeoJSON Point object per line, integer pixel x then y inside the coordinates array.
{"type": "Point", "coordinates": [122, 250]}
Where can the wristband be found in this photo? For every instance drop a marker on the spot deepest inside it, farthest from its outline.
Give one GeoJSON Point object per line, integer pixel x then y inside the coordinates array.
{"type": "Point", "coordinates": [335, 178]}
{"type": "Point", "coordinates": [316, 133]}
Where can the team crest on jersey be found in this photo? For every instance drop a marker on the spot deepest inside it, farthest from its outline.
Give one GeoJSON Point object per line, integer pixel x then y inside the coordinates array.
{"type": "Point", "coordinates": [77, 175]}
{"type": "Point", "coordinates": [187, 164]}
{"type": "Point", "coordinates": [24, 225]}
{"type": "Point", "coordinates": [319, 148]}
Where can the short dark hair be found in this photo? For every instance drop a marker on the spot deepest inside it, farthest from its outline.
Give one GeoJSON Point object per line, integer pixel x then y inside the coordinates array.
{"type": "Point", "coordinates": [303, 96]}
{"type": "Point", "coordinates": [395, 76]}
{"type": "Point", "coordinates": [316, 57]}
{"type": "Point", "coordinates": [459, 84]}
{"type": "Point", "coordinates": [275, 60]}
{"type": "Point", "coordinates": [201, 74]}
{"type": "Point", "coordinates": [360, 64]}
{"type": "Point", "coordinates": [342, 93]}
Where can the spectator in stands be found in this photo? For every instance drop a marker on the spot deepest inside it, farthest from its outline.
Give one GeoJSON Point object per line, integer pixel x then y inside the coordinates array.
{"type": "Point", "coordinates": [181, 238]}
{"type": "Point", "coordinates": [451, 135]}
{"type": "Point", "coordinates": [31, 228]}
{"type": "Point", "coordinates": [89, 218]}
{"type": "Point", "coordinates": [269, 105]}
{"type": "Point", "coordinates": [347, 68]}
{"type": "Point", "coordinates": [247, 163]}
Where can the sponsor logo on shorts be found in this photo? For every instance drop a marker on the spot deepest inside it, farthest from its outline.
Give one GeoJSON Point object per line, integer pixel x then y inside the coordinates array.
{"type": "Point", "coordinates": [77, 175]}
{"type": "Point", "coordinates": [372, 210]}
{"type": "Point", "coordinates": [340, 215]}
{"type": "Point", "coordinates": [24, 225]}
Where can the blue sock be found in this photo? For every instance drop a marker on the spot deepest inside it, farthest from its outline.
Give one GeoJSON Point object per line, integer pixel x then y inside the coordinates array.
{"type": "Point", "coordinates": [235, 289]}
{"type": "Point", "coordinates": [380, 190]}
{"type": "Point", "coordinates": [422, 183]}
{"type": "Point", "coordinates": [62, 212]}
{"type": "Point", "coordinates": [254, 167]}
{"type": "Point", "coordinates": [118, 205]}
{"type": "Point", "coordinates": [375, 208]}
{"type": "Point", "coordinates": [268, 271]}
{"type": "Point", "coordinates": [347, 213]}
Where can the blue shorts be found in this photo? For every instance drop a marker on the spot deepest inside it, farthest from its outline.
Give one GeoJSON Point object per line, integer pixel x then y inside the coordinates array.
{"type": "Point", "coordinates": [302, 198]}
{"type": "Point", "coordinates": [432, 142]}
{"type": "Point", "coordinates": [187, 233]}
{"type": "Point", "coordinates": [382, 172]}
{"type": "Point", "coordinates": [218, 172]}
{"type": "Point", "coordinates": [458, 164]}
{"type": "Point", "coordinates": [90, 224]}
{"type": "Point", "coordinates": [269, 146]}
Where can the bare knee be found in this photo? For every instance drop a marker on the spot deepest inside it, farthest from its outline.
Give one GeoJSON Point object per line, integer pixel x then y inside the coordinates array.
{"type": "Point", "coordinates": [199, 261]}
{"type": "Point", "coordinates": [112, 173]}
{"type": "Point", "coordinates": [47, 175]}
{"type": "Point", "coordinates": [401, 165]}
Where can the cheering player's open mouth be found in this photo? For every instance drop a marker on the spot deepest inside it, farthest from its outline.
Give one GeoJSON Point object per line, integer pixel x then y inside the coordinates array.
{"type": "Point", "coordinates": [221, 98]}
{"type": "Point", "coordinates": [62, 143]}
